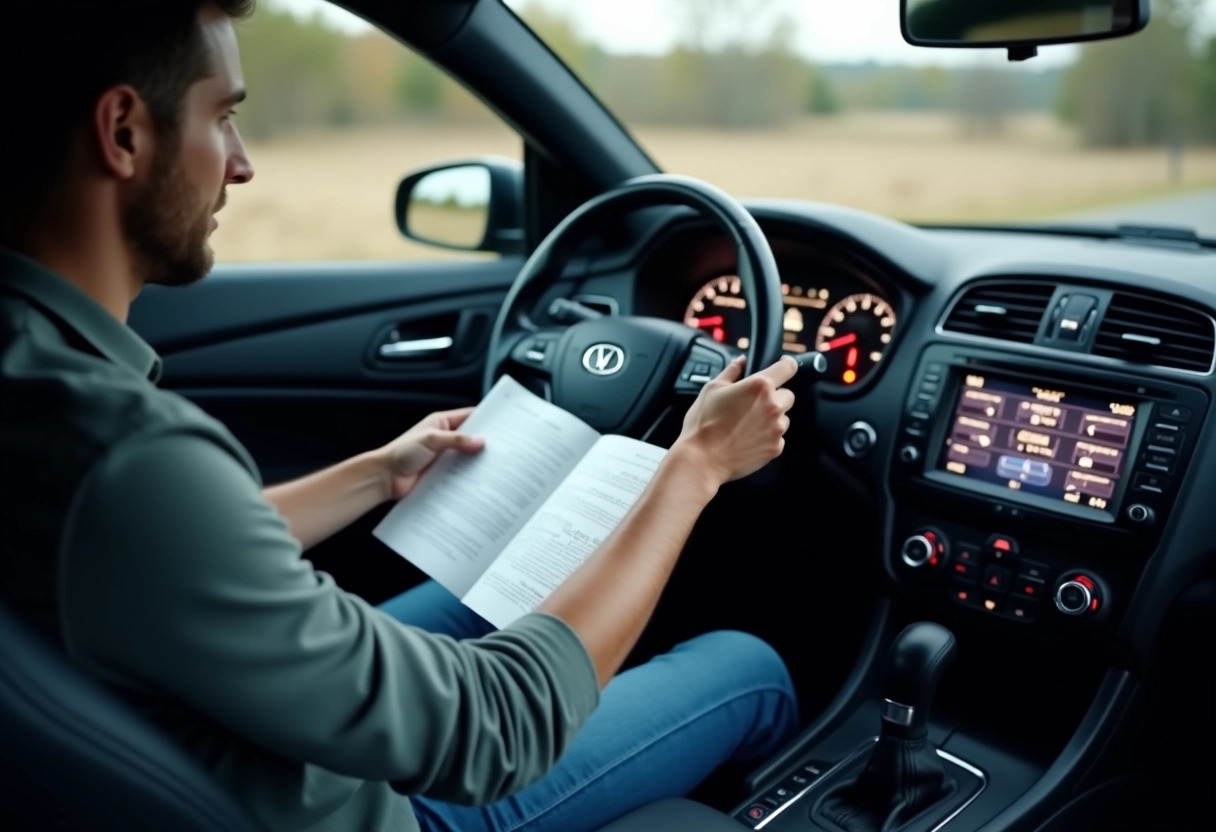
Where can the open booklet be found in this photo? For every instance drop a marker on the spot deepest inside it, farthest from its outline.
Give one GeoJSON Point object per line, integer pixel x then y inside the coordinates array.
{"type": "Point", "coordinates": [501, 529]}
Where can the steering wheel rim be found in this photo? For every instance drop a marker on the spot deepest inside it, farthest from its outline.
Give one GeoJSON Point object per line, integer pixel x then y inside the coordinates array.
{"type": "Point", "coordinates": [757, 268]}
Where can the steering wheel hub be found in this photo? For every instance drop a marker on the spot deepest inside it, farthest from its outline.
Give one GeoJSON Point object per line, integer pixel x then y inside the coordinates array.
{"type": "Point", "coordinates": [610, 371]}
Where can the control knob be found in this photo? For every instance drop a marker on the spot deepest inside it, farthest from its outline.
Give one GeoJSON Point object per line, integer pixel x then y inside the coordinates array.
{"type": "Point", "coordinates": [1077, 595]}
{"type": "Point", "coordinates": [926, 547]}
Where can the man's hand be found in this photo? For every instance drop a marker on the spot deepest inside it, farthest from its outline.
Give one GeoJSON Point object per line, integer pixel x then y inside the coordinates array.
{"type": "Point", "coordinates": [408, 456]}
{"type": "Point", "coordinates": [737, 426]}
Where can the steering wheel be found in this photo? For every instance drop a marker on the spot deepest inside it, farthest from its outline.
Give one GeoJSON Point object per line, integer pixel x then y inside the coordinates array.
{"type": "Point", "coordinates": [618, 373]}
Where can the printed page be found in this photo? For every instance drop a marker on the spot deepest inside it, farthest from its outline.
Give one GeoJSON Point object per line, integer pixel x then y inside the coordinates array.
{"type": "Point", "coordinates": [570, 525]}
{"type": "Point", "coordinates": [466, 507]}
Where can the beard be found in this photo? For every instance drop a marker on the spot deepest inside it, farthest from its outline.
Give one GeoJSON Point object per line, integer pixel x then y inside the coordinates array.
{"type": "Point", "coordinates": [166, 229]}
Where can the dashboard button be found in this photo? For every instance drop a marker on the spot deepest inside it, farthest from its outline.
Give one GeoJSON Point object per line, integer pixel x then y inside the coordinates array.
{"type": "Point", "coordinates": [919, 413]}
{"type": "Point", "coordinates": [755, 813]}
{"type": "Point", "coordinates": [1159, 459]}
{"type": "Point", "coordinates": [1171, 439]}
{"type": "Point", "coordinates": [965, 570]}
{"type": "Point", "coordinates": [1152, 483]}
{"type": "Point", "coordinates": [1030, 589]}
{"type": "Point", "coordinates": [929, 387]}
{"type": "Point", "coordinates": [969, 552]}
{"type": "Point", "coordinates": [997, 579]}
{"type": "Point", "coordinates": [1175, 413]}
{"type": "Point", "coordinates": [1141, 514]}
{"type": "Point", "coordinates": [1022, 609]}
{"type": "Point", "coordinates": [968, 596]}
{"type": "Point", "coordinates": [1033, 570]}
{"type": "Point", "coordinates": [859, 439]}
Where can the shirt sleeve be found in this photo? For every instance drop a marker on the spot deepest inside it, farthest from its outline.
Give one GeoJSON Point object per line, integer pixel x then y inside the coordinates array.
{"type": "Point", "coordinates": [177, 576]}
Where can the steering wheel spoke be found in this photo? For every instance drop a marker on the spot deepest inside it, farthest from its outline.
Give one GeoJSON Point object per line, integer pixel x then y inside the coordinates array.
{"type": "Point", "coordinates": [706, 359]}
{"type": "Point", "coordinates": [536, 351]}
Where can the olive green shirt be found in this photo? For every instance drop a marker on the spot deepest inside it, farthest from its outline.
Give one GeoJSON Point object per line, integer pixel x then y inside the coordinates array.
{"type": "Point", "coordinates": [134, 533]}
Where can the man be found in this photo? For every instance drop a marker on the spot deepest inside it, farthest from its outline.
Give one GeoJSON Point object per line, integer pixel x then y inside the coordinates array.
{"type": "Point", "coordinates": [137, 538]}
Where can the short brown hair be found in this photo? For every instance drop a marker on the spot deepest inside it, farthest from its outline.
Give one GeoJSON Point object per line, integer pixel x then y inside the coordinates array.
{"type": "Point", "coordinates": [58, 56]}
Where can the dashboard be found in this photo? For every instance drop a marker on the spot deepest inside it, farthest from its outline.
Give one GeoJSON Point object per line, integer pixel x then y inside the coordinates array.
{"type": "Point", "coordinates": [851, 325]}
{"type": "Point", "coordinates": [1027, 412]}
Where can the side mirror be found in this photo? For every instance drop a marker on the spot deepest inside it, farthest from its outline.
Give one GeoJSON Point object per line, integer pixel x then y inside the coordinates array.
{"type": "Point", "coordinates": [1018, 25]}
{"type": "Point", "coordinates": [473, 205]}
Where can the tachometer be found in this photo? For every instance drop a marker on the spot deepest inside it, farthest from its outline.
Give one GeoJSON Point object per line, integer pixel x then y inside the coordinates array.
{"type": "Point", "coordinates": [719, 310]}
{"type": "Point", "coordinates": [854, 335]}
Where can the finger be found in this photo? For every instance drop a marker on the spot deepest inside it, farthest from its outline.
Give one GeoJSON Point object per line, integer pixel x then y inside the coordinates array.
{"type": "Point", "coordinates": [733, 371]}
{"type": "Point", "coordinates": [784, 398]}
{"type": "Point", "coordinates": [453, 419]}
{"type": "Point", "coordinates": [442, 440]}
{"type": "Point", "coordinates": [780, 371]}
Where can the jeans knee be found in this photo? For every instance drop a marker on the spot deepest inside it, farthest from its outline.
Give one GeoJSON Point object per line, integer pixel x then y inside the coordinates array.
{"type": "Point", "coordinates": [747, 656]}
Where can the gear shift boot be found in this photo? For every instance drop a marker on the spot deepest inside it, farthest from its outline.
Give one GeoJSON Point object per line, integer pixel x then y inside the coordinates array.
{"type": "Point", "coordinates": [846, 803]}
{"type": "Point", "coordinates": [902, 778]}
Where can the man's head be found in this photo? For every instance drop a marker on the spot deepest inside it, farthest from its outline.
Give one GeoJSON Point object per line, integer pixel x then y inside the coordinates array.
{"type": "Point", "coordinates": [124, 109]}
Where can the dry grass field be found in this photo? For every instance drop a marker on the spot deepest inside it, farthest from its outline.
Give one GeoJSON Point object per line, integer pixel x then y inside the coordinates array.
{"type": "Point", "coordinates": [329, 196]}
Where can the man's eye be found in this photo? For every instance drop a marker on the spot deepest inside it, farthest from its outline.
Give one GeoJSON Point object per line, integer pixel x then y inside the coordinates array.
{"type": "Point", "coordinates": [231, 114]}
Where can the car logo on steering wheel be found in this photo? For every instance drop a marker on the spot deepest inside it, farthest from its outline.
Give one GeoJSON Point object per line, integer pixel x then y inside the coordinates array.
{"type": "Point", "coordinates": [603, 359]}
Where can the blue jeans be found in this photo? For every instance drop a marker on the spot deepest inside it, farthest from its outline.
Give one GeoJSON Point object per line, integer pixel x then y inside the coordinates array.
{"type": "Point", "coordinates": [659, 730]}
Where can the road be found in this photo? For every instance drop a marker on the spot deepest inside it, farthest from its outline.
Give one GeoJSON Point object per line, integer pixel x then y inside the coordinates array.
{"type": "Point", "coordinates": [1197, 211]}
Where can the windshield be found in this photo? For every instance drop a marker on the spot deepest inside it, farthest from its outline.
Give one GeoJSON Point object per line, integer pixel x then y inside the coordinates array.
{"type": "Point", "coordinates": [823, 100]}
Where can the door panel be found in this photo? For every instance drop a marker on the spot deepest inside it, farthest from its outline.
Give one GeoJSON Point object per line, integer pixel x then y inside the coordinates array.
{"type": "Point", "coordinates": [288, 358]}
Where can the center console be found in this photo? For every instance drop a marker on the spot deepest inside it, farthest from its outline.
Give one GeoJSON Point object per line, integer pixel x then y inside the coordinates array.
{"type": "Point", "coordinates": [1032, 494]}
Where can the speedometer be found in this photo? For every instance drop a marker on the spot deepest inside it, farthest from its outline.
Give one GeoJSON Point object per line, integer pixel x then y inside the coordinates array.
{"type": "Point", "coordinates": [719, 310]}
{"type": "Point", "coordinates": [854, 336]}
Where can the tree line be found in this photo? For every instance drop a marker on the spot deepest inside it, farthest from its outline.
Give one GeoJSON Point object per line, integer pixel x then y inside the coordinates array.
{"type": "Point", "coordinates": [1157, 86]}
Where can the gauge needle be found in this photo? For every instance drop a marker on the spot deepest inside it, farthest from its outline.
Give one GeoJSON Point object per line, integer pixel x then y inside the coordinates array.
{"type": "Point", "coordinates": [701, 323]}
{"type": "Point", "coordinates": [842, 341]}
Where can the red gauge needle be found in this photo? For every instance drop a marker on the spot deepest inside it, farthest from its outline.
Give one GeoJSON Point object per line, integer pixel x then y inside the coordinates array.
{"type": "Point", "coordinates": [843, 340]}
{"type": "Point", "coordinates": [701, 323]}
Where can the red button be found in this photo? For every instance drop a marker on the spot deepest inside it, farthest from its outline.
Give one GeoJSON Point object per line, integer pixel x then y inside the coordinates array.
{"type": "Point", "coordinates": [1029, 587]}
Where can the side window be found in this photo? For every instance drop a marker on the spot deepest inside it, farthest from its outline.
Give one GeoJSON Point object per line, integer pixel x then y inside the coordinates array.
{"type": "Point", "coordinates": [337, 114]}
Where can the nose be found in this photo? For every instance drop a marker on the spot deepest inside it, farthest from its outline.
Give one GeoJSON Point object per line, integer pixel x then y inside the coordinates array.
{"type": "Point", "coordinates": [240, 168]}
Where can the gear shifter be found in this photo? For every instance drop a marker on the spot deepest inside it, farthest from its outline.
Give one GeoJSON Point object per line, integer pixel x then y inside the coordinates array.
{"type": "Point", "coordinates": [904, 775]}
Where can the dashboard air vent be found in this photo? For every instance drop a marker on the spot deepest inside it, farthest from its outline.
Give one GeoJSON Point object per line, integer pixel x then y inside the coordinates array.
{"type": "Point", "coordinates": [1148, 331]}
{"type": "Point", "coordinates": [1008, 311]}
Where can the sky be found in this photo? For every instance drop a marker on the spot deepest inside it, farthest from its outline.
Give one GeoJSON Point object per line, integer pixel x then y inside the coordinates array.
{"type": "Point", "coordinates": [827, 31]}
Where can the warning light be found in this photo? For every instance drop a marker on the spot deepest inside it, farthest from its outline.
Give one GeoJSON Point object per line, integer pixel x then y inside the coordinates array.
{"type": "Point", "coordinates": [1093, 605]}
{"type": "Point", "coordinates": [850, 358]}
{"type": "Point", "coordinates": [1002, 544]}
{"type": "Point", "coordinates": [929, 536]}
{"type": "Point", "coordinates": [849, 376]}
{"type": "Point", "coordinates": [960, 568]}
{"type": "Point", "coordinates": [719, 334]}
{"type": "Point", "coordinates": [995, 580]}
{"type": "Point", "coordinates": [1030, 590]}
{"type": "Point", "coordinates": [990, 604]}
{"type": "Point", "coordinates": [933, 560]}
{"type": "Point", "coordinates": [962, 595]}
{"type": "Point", "coordinates": [1085, 581]}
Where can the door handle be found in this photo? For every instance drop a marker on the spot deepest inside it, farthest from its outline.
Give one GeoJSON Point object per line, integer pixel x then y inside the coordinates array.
{"type": "Point", "coordinates": [417, 348]}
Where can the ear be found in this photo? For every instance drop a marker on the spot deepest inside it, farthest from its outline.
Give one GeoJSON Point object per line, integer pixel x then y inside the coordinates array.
{"type": "Point", "coordinates": [122, 130]}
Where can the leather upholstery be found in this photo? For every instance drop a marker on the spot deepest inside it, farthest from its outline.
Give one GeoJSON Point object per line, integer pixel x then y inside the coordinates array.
{"type": "Point", "coordinates": [73, 756]}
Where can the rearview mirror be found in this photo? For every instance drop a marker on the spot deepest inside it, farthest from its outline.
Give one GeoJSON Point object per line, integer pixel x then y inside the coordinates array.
{"type": "Point", "coordinates": [471, 205]}
{"type": "Point", "coordinates": [1018, 25]}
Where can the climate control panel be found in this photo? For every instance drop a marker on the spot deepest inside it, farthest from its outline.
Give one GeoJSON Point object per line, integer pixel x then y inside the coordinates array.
{"type": "Point", "coordinates": [991, 574]}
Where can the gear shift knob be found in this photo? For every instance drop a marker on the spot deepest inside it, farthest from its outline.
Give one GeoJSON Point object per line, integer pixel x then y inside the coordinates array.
{"type": "Point", "coordinates": [918, 658]}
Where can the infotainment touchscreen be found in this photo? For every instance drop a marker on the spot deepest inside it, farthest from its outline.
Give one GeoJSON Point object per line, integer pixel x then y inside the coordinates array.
{"type": "Point", "coordinates": [1039, 439]}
